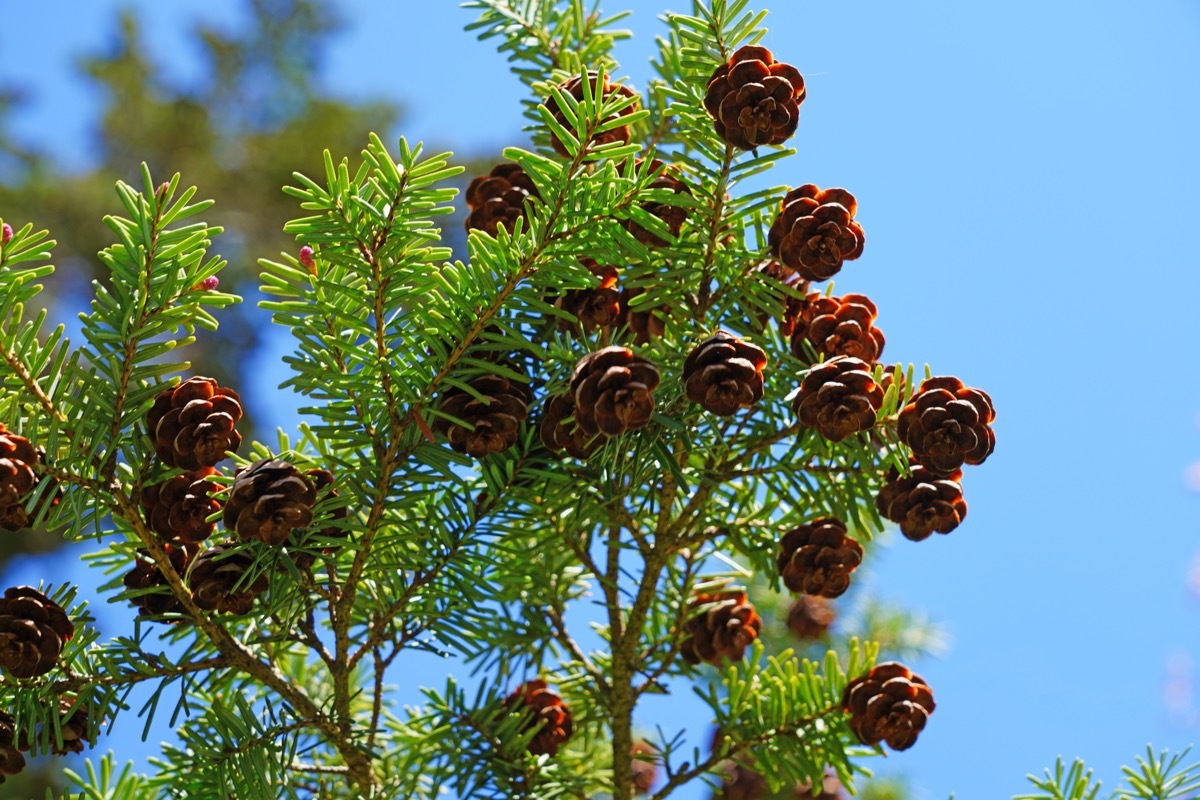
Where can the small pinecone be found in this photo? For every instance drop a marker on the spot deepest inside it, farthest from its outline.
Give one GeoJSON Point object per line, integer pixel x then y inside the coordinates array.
{"type": "Point", "coordinates": [593, 308]}
{"type": "Point", "coordinates": [217, 580]}
{"type": "Point", "coordinates": [268, 500]}
{"type": "Point", "coordinates": [177, 507]}
{"type": "Point", "coordinates": [792, 306]}
{"type": "Point", "coordinates": [947, 424]}
{"type": "Point", "coordinates": [645, 769]}
{"type": "Point", "coordinates": [815, 231]}
{"type": "Point", "coordinates": [613, 391]}
{"type": "Point", "coordinates": [17, 478]}
{"type": "Point", "coordinates": [496, 419]}
{"type": "Point", "coordinates": [888, 704]}
{"type": "Point", "coordinates": [33, 631]}
{"type": "Point", "coordinates": [818, 558]}
{"type": "Point", "coordinates": [724, 374]}
{"type": "Point", "coordinates": [838, 326]}
{"type": "Point", "coordinates": [558, 434]}
{"type": "Point", "coordinates": [550, 715]}
{"type": "Point", "coordinates": [192, 424]}
{"type": "Point", "coordinates": [740, 782]}
{"type": "Point", "coordinates": [674, 216]}
{"type": "Point", "coordinates": [810, 617]}
{"type": "Point", "coordinates": [574, 87]}
{"type": "Point", "coordinates": [74, 727]}
{"type": "Point", "coordinates": [645, 325]}
{"type": "Point", "coordinates": [922, 502]}
{"type": "Point", "coordinates": [754, 99]}
{"type": "Point", "coordinates": [12, 761]}
{"type": "Point", "coordinates": [723, 630]}
{"type": "Point", "coordinates": [838, 397]}
{"type": "Point", "coordinates": [146, 575]}
{"type": "Point", "coordinates": [499, 198]}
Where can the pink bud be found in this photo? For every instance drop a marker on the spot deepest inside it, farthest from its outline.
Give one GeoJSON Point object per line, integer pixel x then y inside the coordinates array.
{"type": "Point", "coordinates": [207, 285]}
{"type": "Point", "coordinates": [161, 192]}
{"type": "Point", "coordinates": [306, 257]}
{"type": "Point", "coordinates": [6, 233]}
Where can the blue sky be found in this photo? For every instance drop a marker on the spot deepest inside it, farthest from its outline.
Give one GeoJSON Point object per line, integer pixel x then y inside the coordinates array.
{"type": "Point", "coordinates": [1025, 172]}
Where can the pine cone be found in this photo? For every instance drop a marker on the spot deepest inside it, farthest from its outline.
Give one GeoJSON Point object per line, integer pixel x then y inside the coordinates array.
{"type": "Point", "coordinates": [946, 424]}
{"type": "Point", "coordinates": [12, 761]}
{"type": "Point", "coordinates": [74, 727]}
{"type": "Point", "coordinates": [644, 324]}
{"type": "Point", "coordinates": [674, 216]}
{"type": "Point", "coordinates": [838, 397]}
{"type": "Point", "coordinates": [888, 704]}
{"type": "Point", "coordinates": [754, 99]}
{"type": "Point", "coordinates": [815, 231]}
{"type": "Point", "coordinates": [192, 424]}
{"type": "Point", "coordinates": [645, 768]}
{"type": "Point", "coordinates": [177, 507]}
{"type": "Point", "coordinates": [818, 558]}
{"type": "Point", "coordinates": [724, 374]}
{"type": "Point", "coordinates": [922, 502]}
{"type": "Point", "coordinates": [218, 580]}
{"type": "Point", "coordinates": [740, 782]}
{"type": "Point", "coordinates": [792, 306]}
{"type": "Point", "coordinates": [613, 391]}
{"type": "Point", "coordinates": [810, 617]}
{"type": "Point", "coordinates": [838, 326]}
{"type": "Point", "coordinates": [559, 434]}
{"type": "Point", "coordinates": [146, 575]}
{"type": "Point", "coordinates": [722, 630]}
{"type": "Point", "coordinates": [550, 716]}
{"type": "Point", "coordinates": [499, 198]}
{"type": "Point", "coordinates": [18, 458]}
{"type": "Point", "coordinates": [574, 87]}
{"type": "Point", "coordinates": [33, 631]}
{"type": "Point", "coordinates": [268, 500]}
{"type": "Point", "coordinates": [495, 419]}
{"type": "Point", "coordinates": [593, 308]}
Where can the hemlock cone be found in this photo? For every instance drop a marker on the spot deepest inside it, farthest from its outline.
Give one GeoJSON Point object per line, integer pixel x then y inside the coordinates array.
{"type": "Point", "coordinates": [838, 397]}
{"type": "Point", "coordinates": [268, 500]}
{"type": "Point", "coordinates": [178, 507]}
{"type": "Point", "coordinates": [613, 391]}
{"type": "Point", "coordinates": [574, 87]}
{"type": "Point", "coordinates": [815, 232]}
{"type": "Point", "coordinates": [33, 632]}
{"type": "Point", "coordinates": [946, 424]}
{"type": "Point", "coordinates": [549, 715]}
{"type": "Point", "coordinates": [724, 374]}
{"type": "Point", "coordinates": [753, 99]}
{"type": "Point", "coordinates": [818, 558]}
{"type": "Point", "coordinates": [220, 580]}
{"type": "Point", "coordinates": [494, 412]}
{"type": "Point", "coordinates": [500, 197]}
{"type": "Point", "coordinates": [192, 423]}
{"type": "Point", "coordinates": [838, 326]}
{"type": "Point", "coordinates": [724, 624]}
{"type": "Point", "coordinates": [888, 704]}
{"type": "Point", "coordinates": [922, 502]}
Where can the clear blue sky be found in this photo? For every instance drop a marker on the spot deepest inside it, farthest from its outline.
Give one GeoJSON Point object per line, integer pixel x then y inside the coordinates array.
{"type": "Point", "coordinates": [1027, 176]}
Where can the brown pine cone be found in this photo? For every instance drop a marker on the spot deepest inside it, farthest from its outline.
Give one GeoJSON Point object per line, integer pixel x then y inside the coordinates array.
{"type": "Point", "coordinates": [674, 216]}
{"type": "Point", "coordinates": [838, 326]}
{"type": "Point", "coordinates": [792, 306]}
{"type": "Point", "coordinates": [33, 631]}
{"type": "Point", "coordinates": [12, 761]}
{"type": "Point", "coordinates": [268, 500]}
{"type": "Point", "coordinates": [74, 727]}
{"type": "Point", "coordinates": [192, 424]}
{"type": "Point", "coordinates": [645, 767]}
{"type": "Point", "coordinates": [645, 324]}
{"type": "Point", "coordinates": [218, 580]}
{"type": "Point", "coordinates": [740, 782]}
{"type": "Point", "coordinates": [724, 374]}
{"type": "Point", "coordinates": [559, 434]}
{"type": "Point", "coordinates": [810, 617]}
{"type": "Point", "coordinates": [550, 716]}
{"type": "Point", "coordinates": [499, 198]}
{"type": "Point", "coordinates": [815, 231]}
{"type": "Point", "coordinates": [495, 419]}
{"type": "Point", "coordinates": [818, 558]}
{"type": "Point", "coordinates": [722, 630]}
{"type": "Point", "coordinates": [177, 507]}
{"type": "Point", "coordinates": [18, 457]}
{"type": "Point", "coordinates": [922, 502]}
{"type": "Point", "coordinates": [613, 391]}
{"type": "Point", "coordinates": [754, 99]}
{"type": "Point", "coordinates": [574, 87]}
{"type": "Point", "coordinates": [146, 575]}
{"type": "Point", "coordinates": [838, 397]}
{"type": "Point", "coordinates": [593, 308]}
{"type": "Point", "coordinates": [946, 424]}
{"type": "Point", "coordinates": [888, 704]}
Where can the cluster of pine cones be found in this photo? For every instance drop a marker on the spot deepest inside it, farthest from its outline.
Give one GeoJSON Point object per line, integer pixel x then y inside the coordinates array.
{"type": "Point", "coordinates": [193, 427]}
{"type": "Point", "coordinates": [73, 726]}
